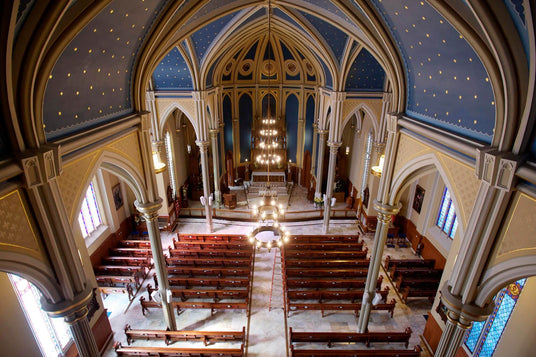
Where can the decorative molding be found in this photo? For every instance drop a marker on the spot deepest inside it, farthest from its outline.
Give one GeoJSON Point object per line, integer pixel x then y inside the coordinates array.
{"type": "Point", "coordinates": [41, 166]}
{"type": "Point", "coordinates": [496, 168]}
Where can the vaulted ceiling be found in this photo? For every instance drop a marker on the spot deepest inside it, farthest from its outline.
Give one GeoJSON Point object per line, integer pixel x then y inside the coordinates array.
{"type": "Point", "coordinates": [417, 51]}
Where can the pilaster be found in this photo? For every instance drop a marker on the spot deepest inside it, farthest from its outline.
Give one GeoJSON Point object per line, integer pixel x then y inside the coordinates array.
{"type": "Point", "coordinates": [333, 150]}
{"type": "Point", "coordinates": [322, 135]}
{"type": "Point", "coordinates": [216, 164]}
{"type": "Point", "coordinates": [203, 151]}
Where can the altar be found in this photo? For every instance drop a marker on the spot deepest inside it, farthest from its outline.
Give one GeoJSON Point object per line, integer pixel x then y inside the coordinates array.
{"type": "Point", "coordinates": [262, 176]}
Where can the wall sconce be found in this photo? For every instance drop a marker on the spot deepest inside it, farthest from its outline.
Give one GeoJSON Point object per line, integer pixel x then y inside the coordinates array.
{"type": "Point", "coordinates": [377, 170]}
{"type": "Point", "coordinates": [159, 166]}
{"type": "Point", "coordinates": [347, 150]}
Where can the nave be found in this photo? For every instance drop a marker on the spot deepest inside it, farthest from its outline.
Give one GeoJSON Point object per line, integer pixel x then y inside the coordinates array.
{"type": "Point", "coordinates": [267, 330]}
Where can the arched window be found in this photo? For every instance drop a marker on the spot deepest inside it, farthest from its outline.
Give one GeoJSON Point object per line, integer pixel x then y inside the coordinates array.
{"type": "Point", "coordinates": [366, 163]}
{"type": "Point", "coordinates": [169, 151]}
{"type": "Point", "coordinates": [52, 335]}
{"type": "Point", "coordinates": [446, 218]}
{"type": "Point", "coordinates": [89, 217]}
{"type": "Point", "coordinates": [483, 337]}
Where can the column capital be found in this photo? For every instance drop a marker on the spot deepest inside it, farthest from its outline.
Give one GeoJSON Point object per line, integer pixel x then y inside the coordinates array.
{"type": "Point", "coordinates": [41, 165]}
{"type": "Point", "coordinates": [391, 120]}
{"type": "Point", "coordinates": [338, 96]}
{"type": "Point", "coordinates": [203, 145]}
{"type": "Point", "coordinates": [149, 95]}
{"type": "Point", "coordinates": [145, 123]}
{"type": "Point", "coordinates": [323, 132]}
{"type": "Point", "coordinates": [463, 314]}
{"type": "Point", "coordinates": [149, 209]}
{"type": "Point", "coordinates": [334, 145]}
{"type": "Point", "coordinates": [496, 168]}
{"type": "Point", "coordinates": [199, 95]}
{"type": "Point", "coordinates": [387, 97]}
{"type": "Point", "coordinates": [214, 132]}
{"type": "Point", "coordinates": [70, 310]}
{"type": "Point", "coordinates": [385, 211]}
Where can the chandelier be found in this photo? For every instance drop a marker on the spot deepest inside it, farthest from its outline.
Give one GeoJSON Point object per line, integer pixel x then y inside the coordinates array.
{"type": "Point", "coordinates": [269, 210]}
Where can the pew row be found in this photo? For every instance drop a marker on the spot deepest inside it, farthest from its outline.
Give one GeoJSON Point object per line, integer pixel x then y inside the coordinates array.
{"type": "Point", "coordinates": [180, 306]}
{"type": "Point", "coordinates": [347, 337]}
{"type": "Point", "coordinates": [415, 352]}
{"type": "Point", "coordinates": [217, 295]}
{"type": "Point", "coordinates": [355, 307]}
{"type": "Point", "coordinates": [177, 352]}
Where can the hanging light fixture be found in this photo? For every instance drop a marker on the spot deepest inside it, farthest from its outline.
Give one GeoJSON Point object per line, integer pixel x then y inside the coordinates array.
{"type": "Point", "coordinates": [269, 211]}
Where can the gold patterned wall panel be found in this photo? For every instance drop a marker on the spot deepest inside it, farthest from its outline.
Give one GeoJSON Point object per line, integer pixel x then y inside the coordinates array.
{"type": "Point", "coordinates": [129, 148]}
{"type": "Point", "coordinates": [408, 149]}
{"type": "Point", "coordinates": [186, 105]}
{"type": "Point", "coordinates": [518, 234]}
{"type": "Point", "coordinates": [17, 229]}
{"type": "Point", "coordinates": [375, 105]}
{"type": "Point", "coordinates": [71, 181]}
{"type": "Point", "coordinates": [464, 185]}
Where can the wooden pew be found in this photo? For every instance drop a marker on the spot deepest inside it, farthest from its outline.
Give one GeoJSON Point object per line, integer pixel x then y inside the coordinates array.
{"type": "Point", "coordinates": [131, 252]}
{"type": "Point", "coordinates": [415, 352]}
{"type": "Point", "coordinates": [138, 261]}
{"type": "Point", "coordinates": [134, 243]}
{"type": "Point", "coordinates": [205, 253]}
{"type": "Point", "coordinates": [323, 238]}
{"type": "Point", "coordinates": [324, 254]}
{"type": "Point", "coordinates": [348, 337]}
{"type": "Point", "coordinates": [211, 238]}
{"type": "Point", "coordinates": [319, 283]}
{"type": "Point", "coordinates": [127, 289]}
{"type": "Point", "coordinates": [322, 295]}
{"type": "Point", "coordinates": [212, 245]}
{"type": "Point", "coordinates": [209, 281]}
{"type": "Point", "coordinates": [172, 336]}
{"type": "Point", "coordinates": [209, 262]}
{"type": "Point", "coordinates": [177, 352]}
{"type": "Point", "coordinates": [323, 263]}
{"type": "Point", "coordinates": [416, 273]}
{"type": "Point", "coordinates": [218, 271]}
{"type": "Point", "coordinates": [417, 292]}
{"type": "Point", "coordinates": [145, 305]}
{"type": "Point", "coordinates": [408, 263]}
{"type": "Point", "coordinates": [124, 270]}
{"type": "Point", "coordinates": [353, 246]}
{"type": "Point", "coordinates": [355, 307]}
{"type": "Point", "coordinates": [216, 294]}
{"type": "Point", "coordinates": [113, 280]}
{"type": "Point", "coordinates": [323, 272]}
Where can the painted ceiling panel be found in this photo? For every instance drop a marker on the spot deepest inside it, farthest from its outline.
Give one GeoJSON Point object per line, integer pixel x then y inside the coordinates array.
{"type": "Point", "coordinates": [203, 37]}
{"type": "Point", "coordinates": [172, 73]}
{"type": "Point", "coordinates": [90, 83]}
{"type": "Point", "coordinates": [286, 52]}
{"type": "Point", "coordinates": [327, 73]}
{"type": "Point", "coordinates": [329, 6]}
{"type": "Point", "coordinates": [283, 15]}
{"type": "Point", "coordinates": [448, 85]}
{"type": "Point", "coordinates": [260, 13]}
{"type": "Point", "coordinates": [335, 38]}
{"type": "Point", "coordinates": [366, 74]}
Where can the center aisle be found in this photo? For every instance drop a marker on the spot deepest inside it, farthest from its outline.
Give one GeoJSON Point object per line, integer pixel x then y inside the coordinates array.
{"type": "Point", "coordinates": [267, 329]}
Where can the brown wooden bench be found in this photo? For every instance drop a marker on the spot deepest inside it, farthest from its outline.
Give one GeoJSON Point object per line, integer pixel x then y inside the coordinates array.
{"type": "Point", "coordinates": [348, 337]}
{"type": "Point", "coordinates": [416, 273]}
{"type": "Point", "coordinates": [135, 243]}
{"type": "Point", "coordinates": [145, 305]}
{"type": "Point", "coordinates": [218, 271]}
{"type": "Point", "coordinates": [408, 263]}
{"type": "Point", "coordinates": [353, 246]}
{"type": "Point", "coordinates": [355, 307]}
{"type": "Point", "coordinates": [316, 272]}
{"type": "Point", "coordinates": [322, 263]}
{"type": "Point", "coordinates": [127, 289]}
{"type": "Point", "coordinates": [169, 337]}
{"type": "Point", "coordinates": [324, 254]}
{"type": "Point", "coordinates": [139, 261]}
{"type": "Point", "coordinates": [131, 252]}
{"type": "Point", "coordinates": [177, 352]}
{"type": "Point", "coordinates": [418, 293]}
{"type": "Point", "coordinates": [196, 252]}
{"type": "Point", "coordinates": [415, 352]}
{"type": "Point", "coordinates": [323, 238]}
{"type": "Point", "coordinates": [113, 280]}
{"type": "Point", "coordinates": [318, 283]}
{"type": "Point", "coordinates": [182, 237]}
{"type": "Point", "coordinates": [322, 295]}
{"type": "Point", "coordinates": [212, 245]}
{"type": "Point", "coordinates": [216, 294]}
{"type": "Point", "coordinates": [125, 270]}
{"type": "Point", "coordinates": [209, 281]}
{"type": "Point", "coordinates": [209, 262]}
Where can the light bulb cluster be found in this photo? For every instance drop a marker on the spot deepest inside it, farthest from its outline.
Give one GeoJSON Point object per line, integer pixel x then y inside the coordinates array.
{"type": "Point", "coordinates": [268, 159]}
{"type": "Point", "coordinates": [268, 132]}
{"type": "Point", "coordinates": [268, 121]}
{"type": "Point", "coordinates": [268, 213]}
{"type": "Point", "coordinates": [263, 145]}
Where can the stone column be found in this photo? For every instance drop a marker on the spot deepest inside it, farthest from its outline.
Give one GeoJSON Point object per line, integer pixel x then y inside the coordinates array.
{"type": "Point", "coordinates": [216, 165]}
{"type": "Point", "coordinates": [203, 151]}
{"type": "Point", "coordinates": [333, 150]}
{"type": "Point", "coordinates": [385, 212]}
{"type": "Point", "coordinates": [236, 146]}
{"type": "Point", "coordinates": [322, 135]}
{"type": "Point", "coordinates": [313, 154]}
{"type": "Point", "coordinates": [150, 213]}
{"type": "Point", "coordinates": [75, 315]}
{"type": "Point", "coordinates": [222, 148]}
{"type": "Point", "coordinates": [460, 317]}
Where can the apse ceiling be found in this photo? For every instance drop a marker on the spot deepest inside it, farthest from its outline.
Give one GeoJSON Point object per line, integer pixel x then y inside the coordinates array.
{"type": "Point", "coordinates": [447, 85]}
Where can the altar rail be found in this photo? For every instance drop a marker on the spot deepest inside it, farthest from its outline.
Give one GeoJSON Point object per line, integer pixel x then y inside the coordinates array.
{"type": "Point", "coordinates": [246, 215]}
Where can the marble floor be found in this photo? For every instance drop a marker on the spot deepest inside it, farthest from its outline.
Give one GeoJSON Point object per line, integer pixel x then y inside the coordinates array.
{"type": "Point", "coordinates": [267, 325]}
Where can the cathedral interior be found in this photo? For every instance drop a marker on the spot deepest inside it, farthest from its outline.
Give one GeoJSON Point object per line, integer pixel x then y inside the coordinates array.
{"type": "Point", "coordinates": [273, 140]}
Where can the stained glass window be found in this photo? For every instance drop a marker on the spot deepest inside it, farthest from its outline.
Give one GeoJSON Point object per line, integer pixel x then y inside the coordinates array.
{"type": "Point", "coordinates": [483, 337]}
{"type": "Point", "coordinates": [52, 335]}
{"type": "Point", "coordinates": [89, 217]}
{"type": "Point", "coordinates": [447, 220]}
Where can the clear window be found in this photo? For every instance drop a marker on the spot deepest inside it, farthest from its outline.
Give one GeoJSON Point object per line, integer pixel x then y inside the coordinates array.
{"type": "Point", "coordinates": [52, 335]}
{"type": "Point", "coordinates": [89, 217]}
{"type": "Point", "coordinates": [446, 219]}
{"type": "Point", "coordinates": [171, 170]}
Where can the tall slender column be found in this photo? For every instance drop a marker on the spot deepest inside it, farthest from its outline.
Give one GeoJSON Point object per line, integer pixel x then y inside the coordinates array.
{"type": "Point", "coordinates": [333, 150]}
{"type": "Point", "coordinates": [203, 150]}
{"type": "Point", "coordinates": [75, 314]}
{"type": "Point", "coordinates": [315, 143]}
{"type": "Point", "coordinates": [322, 135]}
{"type": "Point", "coordinates": [385, 212]}
{"type": "Point", "coordinates": [149, 211]}
{"type": "Point", "coordinates": [236, 145]}
{"type": "Point", "coordinates": [216, 165]}
{"type": "Point", "coordinates": [222, 147]}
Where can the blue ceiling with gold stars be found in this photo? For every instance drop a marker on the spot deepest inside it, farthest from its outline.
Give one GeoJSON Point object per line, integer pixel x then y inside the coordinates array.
{"type": "Point", "coordinates": [204, 36]}
{"type": "Point", "coordinates": [366, 74]}
{"type": "Point", "coordinates": [91, 81]}
{"type": "Point", "coordinates": [172, 73]}
{"type": "Point", "coordinates": [448, 85]}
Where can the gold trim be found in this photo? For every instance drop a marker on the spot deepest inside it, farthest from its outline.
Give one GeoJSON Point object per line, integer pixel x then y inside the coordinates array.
{"type": "Point", "coordinates": [83, 301]}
